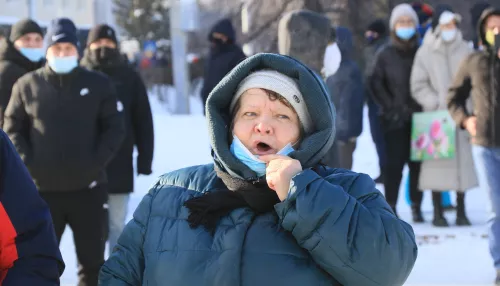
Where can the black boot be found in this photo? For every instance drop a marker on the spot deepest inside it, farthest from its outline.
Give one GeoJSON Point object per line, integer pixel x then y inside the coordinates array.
{"type": "Point", "coordinates": [380, 179]}
{"type": "Point", "coordinates": [439, 219]}
{"type": "Point", "coordinates": [416, 213]}
{"type": "Point", "coordinates": [462, 219]}
{"type": "Point", "coordinates": [497, 280]}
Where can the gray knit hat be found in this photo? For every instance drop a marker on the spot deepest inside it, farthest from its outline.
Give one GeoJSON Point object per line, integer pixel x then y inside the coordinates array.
{"type": "Point", "coordinates": [281, 84]}
{"type": "Point", "coordinates": [400, 11]}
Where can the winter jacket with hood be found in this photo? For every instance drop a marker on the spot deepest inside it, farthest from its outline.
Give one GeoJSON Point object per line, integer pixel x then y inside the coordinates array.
{"type": "Point", "coordinates": [29, 253]}
{"type": "Point", "coordinates": [347, 90]}
{"type": "Point", "coordinates": [13, 65]}
{"type": "Point", "coordinates": [436, 63]}
{"type": "Point", "coordinates": [222, 58]}
{"type": "Point", "coordinates": [65, 127]}
{"type": "Point", "coordinates": [137, 118]}
{"type": "Point", "coordinates": [478, 77]}
{"type": "Point", "coordinates": [390, 82]}
{"type": "Point", "coordinates": [335, 228]}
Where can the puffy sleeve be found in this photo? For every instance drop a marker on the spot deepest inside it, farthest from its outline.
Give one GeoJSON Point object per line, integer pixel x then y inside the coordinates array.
{"type": "Point", "coordinates": [125, 266]}
{"type": "Point", "coordinates": [345, 224]}
{"type": "Point", "coordinates": [420, 82]}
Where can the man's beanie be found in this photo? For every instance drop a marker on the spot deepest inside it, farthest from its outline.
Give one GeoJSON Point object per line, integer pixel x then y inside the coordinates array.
{"type": "Point", "coordinates": [24, 27]}
{"type": "Point", "coordinates": [378, 26]}
{"type": "Point", "coordinates": [102, 31]}
{"type": "Point", "coordinates": [403, 10]}
{"type": "Point", "coordinates": [62, 30]}
{"type": "Point", "coordinates": [281, 84]}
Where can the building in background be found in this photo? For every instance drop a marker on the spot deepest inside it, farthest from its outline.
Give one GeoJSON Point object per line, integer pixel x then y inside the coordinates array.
{"type": "Point", "coordinates": [84, 13]}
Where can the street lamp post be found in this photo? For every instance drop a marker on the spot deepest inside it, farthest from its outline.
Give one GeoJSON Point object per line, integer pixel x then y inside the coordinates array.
{"type": "Point", "coordinates": [183, 18]}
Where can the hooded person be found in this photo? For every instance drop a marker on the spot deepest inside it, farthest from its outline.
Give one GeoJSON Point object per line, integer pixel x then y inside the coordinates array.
{"type": "Point", "coordinates": [66, 124]}
{"type": "Point", "coordinates": [224, 55]}
{"type": "Point", "coordinates": [265, 206]}
{"type": "Point", "coordinates": [102, 54]}
{"type": "Point", "coordinates": [477, 80]}
{"type": "Point", "coordinates": [347, 92]}
{"type": "Point", "coordinates": [20, 53]}
{"type": "Point", "coordinates": [390, 87]}
{"type": "Point", "coordinates": [436, 63]}
{"type": "Point", "coordinates": [475, 14]}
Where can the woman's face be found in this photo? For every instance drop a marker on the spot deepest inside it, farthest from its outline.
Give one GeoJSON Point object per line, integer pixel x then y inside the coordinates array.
{"type": "Point", "coordinates": [405, 22]}
{"type": "Point", "coordinates": [264, 124]}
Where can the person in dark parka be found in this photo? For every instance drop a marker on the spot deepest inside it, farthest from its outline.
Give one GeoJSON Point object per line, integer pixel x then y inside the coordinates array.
{"type": "Point", "coordinates": [224, 55]}
{"type": "Point", "coordinates": [346, 87]}
{"type": "Point", "coordinates": [102, 54]}
{"type": "Point", "coordinates": [390, 86]}
{"type": "Point", "coordinates": [21, 53]}
{"type": "Point", "coordinates": [254, 217]}
{"type": "Point", "coordinates": [29, 254]}
{"type": "Point", "coordinates": [376, 38]}
{"type": "Point", "coordinates": [67, 125]}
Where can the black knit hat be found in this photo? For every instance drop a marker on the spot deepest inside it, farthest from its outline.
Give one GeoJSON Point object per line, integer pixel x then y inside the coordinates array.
{"type": "Point", "coordinates": [24, 27]}
{"type": "Point", "coordinates": [378, 26]}
{"type": "Point", "coordinates": [62, 30]}
{"type": "Point", "coordinates": [102, 31]}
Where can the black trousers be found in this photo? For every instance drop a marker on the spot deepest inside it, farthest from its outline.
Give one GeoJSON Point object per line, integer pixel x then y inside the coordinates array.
{"type": "Point", "coordinates": [86, 212]}
{"type": "Point", "coordinates": [397, 142]}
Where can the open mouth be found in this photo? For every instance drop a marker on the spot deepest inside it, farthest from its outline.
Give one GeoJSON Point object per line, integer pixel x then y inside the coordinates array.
{"type": "Point", "coordinates": [262, 148]}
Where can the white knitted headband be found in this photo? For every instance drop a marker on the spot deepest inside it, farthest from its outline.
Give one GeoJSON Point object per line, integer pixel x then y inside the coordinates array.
{"type": "Point", "coordinates": [281, 84]}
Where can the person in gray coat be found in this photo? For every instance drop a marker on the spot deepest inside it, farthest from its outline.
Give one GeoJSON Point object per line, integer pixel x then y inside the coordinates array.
{"type": "Point", "coordinates": [436, 63]}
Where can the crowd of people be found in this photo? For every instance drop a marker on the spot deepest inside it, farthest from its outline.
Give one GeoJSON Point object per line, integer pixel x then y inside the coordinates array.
{"type": "Point", "coordinates": [280, 194]}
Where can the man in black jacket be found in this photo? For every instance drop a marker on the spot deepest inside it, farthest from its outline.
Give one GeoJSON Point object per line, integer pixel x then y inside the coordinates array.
{"type": "Point", "coordinates": [21, 53]}
{"type": "Point", "coordinates": [479, 78]}
{"type": "Point", "coordinates": [66, 124]}
{"type": "Point", "coordinates": [224, 56]}
{"type": "Point", "coordinates": [102, 54]}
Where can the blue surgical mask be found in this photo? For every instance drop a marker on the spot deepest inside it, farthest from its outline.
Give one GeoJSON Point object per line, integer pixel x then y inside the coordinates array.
{"type": "Point", "coordinates": [32, 54]}
{"type": "Point", "coordinates": [405, 33]}
{"type": "Point", "coordinates": [252, 161]}
{"type": "Point", "coordinates": [63, 65]}
{"type": "Point", "coordinates": [448, 35]}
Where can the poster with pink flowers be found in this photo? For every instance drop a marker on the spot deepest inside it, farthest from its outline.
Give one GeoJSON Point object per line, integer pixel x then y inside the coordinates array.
{"type": "Point", "coordinates": [433, 136]}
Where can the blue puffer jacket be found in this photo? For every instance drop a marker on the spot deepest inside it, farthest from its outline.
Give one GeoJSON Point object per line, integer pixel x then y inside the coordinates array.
{"type": "Point", "coordinates": [334, 228]}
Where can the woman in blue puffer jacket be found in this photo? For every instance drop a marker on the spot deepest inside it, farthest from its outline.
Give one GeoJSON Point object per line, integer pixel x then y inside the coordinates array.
{"type": "Point", "coordinates": [266, 212]}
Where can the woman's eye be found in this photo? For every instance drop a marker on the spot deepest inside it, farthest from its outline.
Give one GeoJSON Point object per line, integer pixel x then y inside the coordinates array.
{"type": "Point", "coordinates": [249, 114]}
{"type": "Point", "coordinates": [281, 116]}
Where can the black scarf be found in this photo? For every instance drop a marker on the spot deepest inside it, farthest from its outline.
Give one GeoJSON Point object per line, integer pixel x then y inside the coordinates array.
{"type": "Point", "coordinates": [208, 209]}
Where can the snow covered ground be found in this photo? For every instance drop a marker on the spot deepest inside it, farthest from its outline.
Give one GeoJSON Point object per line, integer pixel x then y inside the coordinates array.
{"type": "Point", "coordinates": [451, 256]}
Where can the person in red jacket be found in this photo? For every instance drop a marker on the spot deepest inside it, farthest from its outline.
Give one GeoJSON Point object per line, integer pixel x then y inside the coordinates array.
{"type": "Point", "coordinates": [29, 253]}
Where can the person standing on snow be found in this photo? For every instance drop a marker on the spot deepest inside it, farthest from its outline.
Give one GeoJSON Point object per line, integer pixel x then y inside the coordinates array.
{"type": "Point", "coordinates": [29, 254]}
{"type": "Point", "coordinates": [376, 38]}
{"type": "Point", "coordinates": [265, 212]}
{"type": "Point", "coordinates": [347, 92]}
{"type": "Point", "coordinates": [224, 55]}
{"type": "Point", "coordinates": [21, 53]}
{"type": "Point", "coordinates": [478, 78]}
{"type": "Point", "coordinates": [475, 14]}
{"type": "Point", "coordinates": [390, 86]}
{"type": "Point", "coordinates": [436, 63]}
{"type": "Point", "coordinates": [63, 120]}
{"type": "Point", "coordinates": [102, 54]}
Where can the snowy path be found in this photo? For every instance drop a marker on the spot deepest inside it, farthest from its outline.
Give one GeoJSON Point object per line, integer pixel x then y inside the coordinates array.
{"type": "Point", "coordinates": [452, 256]}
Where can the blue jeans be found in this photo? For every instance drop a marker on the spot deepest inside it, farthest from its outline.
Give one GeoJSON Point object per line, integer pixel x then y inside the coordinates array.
{"type": "Point", "coordinates": [487, 162]}
{"type": "Point", "coordinates": [118, 205]}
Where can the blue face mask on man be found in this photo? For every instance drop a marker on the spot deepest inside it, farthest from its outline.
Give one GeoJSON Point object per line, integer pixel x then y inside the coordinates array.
{"type": "Point", "coordinates": [62, 65]}
{"type": "Point", "coordinates": [252, 161]}
{"type": "Point", "coordinates": [32, 54]}
{"type": "Point", "coordinates": [405, 33]}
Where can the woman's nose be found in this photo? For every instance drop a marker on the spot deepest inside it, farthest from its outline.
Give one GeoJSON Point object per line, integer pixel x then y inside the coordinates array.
{"type": "Point", "coordinates": [263, 128]}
